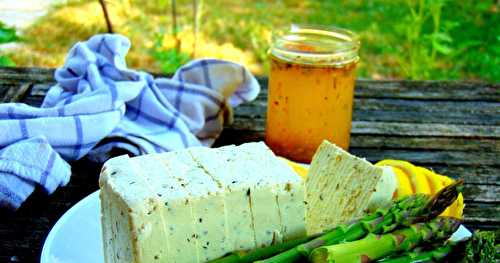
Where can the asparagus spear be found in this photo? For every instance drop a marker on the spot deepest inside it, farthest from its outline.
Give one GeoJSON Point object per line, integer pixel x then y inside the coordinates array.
{"type": "Point", "coordinates": [405, 211]}
{"type": "Point", "coordinates": [434, 255]}
{"type": "Point", "coordinates": [251, 256]}
{"type": "Point", "coordinates": [373, 246]}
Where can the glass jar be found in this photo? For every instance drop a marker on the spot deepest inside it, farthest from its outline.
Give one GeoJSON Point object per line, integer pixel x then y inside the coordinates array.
{"type": "Point", "coordinates": [311, 88]}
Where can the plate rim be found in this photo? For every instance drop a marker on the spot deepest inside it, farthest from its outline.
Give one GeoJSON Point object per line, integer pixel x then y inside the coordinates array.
{"type": "Point", "coordinates": [44, 256]}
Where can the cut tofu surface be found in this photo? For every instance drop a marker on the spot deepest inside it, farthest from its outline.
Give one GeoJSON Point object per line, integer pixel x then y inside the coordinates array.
{"type": "Point", "coordinates": [220, 165]}
{"type": "Point", "coordinates": [129, 207]}
{"type": "Point", "coordinates": [339, 186]}
{"type": "Point", "coordinates": [287, 187]}
{"type": "Point", "coordinates": [263, 198]}
{"type": "Point", "coordinates": [206, 200]}
{"type": "Point", "coordinates": [198, 204]}
{"type": "Point", "coordinates": [175, 208]}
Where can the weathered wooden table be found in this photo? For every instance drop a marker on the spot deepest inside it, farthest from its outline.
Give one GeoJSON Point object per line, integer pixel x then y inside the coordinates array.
{"type": "Point", "coordinates": [451, 127]}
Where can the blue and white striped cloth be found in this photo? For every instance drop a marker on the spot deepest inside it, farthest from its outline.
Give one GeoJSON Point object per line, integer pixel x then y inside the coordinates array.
{"type": "Point", "coordinates": [99, 104]}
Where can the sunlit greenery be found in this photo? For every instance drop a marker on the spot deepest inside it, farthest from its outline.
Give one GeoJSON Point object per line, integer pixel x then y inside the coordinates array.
{"type": "Point", "coordinates": [7, 35]}
{"type": "Point", "coordinates": [418, 39]}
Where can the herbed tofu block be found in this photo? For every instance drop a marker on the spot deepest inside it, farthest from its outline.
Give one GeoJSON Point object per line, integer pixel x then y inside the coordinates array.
{"type": "Point", "coordinates": [339, 186]}
{"type": "Point", "coordinates": [198, 204]}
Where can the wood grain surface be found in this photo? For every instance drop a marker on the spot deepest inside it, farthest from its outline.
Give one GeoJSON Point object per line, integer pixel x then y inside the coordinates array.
{"type": "Point", "coordinates": [452, 127]}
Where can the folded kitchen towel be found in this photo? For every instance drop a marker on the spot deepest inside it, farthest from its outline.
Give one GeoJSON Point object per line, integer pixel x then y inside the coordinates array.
{"type": "Point", "coordinates": [99, 104]}
{"type": "Point", "coordinates": [26, 163]}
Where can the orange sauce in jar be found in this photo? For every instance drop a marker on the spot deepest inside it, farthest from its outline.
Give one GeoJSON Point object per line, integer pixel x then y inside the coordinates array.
{"type": "Point", "coordinates": [311, 88]}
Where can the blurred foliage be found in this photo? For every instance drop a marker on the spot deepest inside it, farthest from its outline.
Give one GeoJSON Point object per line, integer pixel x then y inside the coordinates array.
{"type": "Point", "coordinates": [417, 39]}
{"type": "Point", "coordinates": [7, 35]}
{"type": "Point", "coordinates": [169, 59]}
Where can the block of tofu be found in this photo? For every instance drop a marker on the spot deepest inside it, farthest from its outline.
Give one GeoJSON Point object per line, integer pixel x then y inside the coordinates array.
{"type": "Point", "coordinates": [198, 204]}
{"type": "Point", "coordinates": [339, 187]}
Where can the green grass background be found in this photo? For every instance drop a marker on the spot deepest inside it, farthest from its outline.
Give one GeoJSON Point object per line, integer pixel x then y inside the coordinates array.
{"type": "Point", "coordinates": [464, 43]}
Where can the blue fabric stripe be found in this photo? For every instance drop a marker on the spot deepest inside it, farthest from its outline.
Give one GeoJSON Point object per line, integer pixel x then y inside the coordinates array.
{"type": "Point", "coordinates": [238, 95]}
{"type": "Point", "coordinates": [10, 194]}
{"type": "Point", "coordinates": [17, 161]}
{"type": "Point", "coordinates": [24, 128]}
{"type": "Point", "coordinates": [99, 46]}
{"type": "Point", "coordinates": [160, 97]}
{"type": "Point", "coordinates": [153, 119]}
{"type": "Point", "coordinates": [157, 148]}
{"type": "Point", "coordinates": [105, 44]}
{"type": "Point", "coordinates": [178, 96]}
{"type": "Point", "coordinates": [183, 137]}
{"type": "Point", "coordinates": [114, 94]}
{"type": "Point", "coordinates": [60, 111]}
{"type": "Point", "coordinates": [195, 92]}
{"type": "Point", "coordinates": [10, 111]}
{"type": "Point", "coordinates": [79, 137]}
{"type": "Point", "coordinates": [48, 169]}
{"type": "Point", "coordinates": [81, 146]}
{"type": "Point", "coordinates": [145, 115]}
{"type": "Point", "coordinates": [207, 61]}
{"type": "Point", "coordinates": [13, 115]}
{"type": "Point", "coordinates": [206, 75]}
{"type": "Point", "coordinates": [173, 120]}
{"type": "Point", "coordinates": [139, 103]}
{"type": "Point", "coordinates": [68, 100]}
{"type": "Point", "coordinates": [72, 72]}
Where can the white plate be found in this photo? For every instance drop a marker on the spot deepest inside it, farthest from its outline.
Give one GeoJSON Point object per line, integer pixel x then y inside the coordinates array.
{"type": "Point", "coordinates": [76, 237]}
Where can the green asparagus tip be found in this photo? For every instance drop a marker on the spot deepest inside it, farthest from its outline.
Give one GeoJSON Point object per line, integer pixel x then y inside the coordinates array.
{"type": "Point", "coordinates": [319, 255]}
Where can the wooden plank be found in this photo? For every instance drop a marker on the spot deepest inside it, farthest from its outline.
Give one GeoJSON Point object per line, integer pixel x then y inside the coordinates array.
{"type": "Point", "coordinates": [16, 95]}
{"type": "Point", "coordinates": [426, 89]}
{"type": "Point", "coordinates": [237, 134]}
{"type": "Point", "coordinates": [438, 90]}
{"type": "Point", "coordinates": [482, 193]}
{"type": "Point", "coordinates": [479, 210]}
{"type": "Point", "coordinates": [479, 215]}
{"type": "Point", "coordinates": [427, 111]}
{"type": "Point", "coordinates": [473, 174]}
{"type": "Point", "coordinates": [410, 111]}
{"type": "Point", "coordinates": [425, 129]}
{"type": "Point", "coordinates": [429, 157]}
{"type": "Point", "coordinates": [255, 123]}
{"type": "Point", "coordinates": [15, 75]}
{"type": "Point", "coordinates": [429, 143]}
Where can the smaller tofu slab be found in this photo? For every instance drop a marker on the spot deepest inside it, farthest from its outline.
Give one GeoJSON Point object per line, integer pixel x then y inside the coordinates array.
{"type": "Point", "coordinates": [339, 186]}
